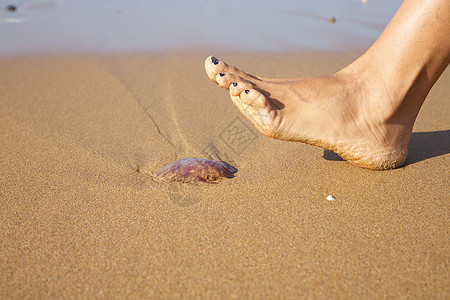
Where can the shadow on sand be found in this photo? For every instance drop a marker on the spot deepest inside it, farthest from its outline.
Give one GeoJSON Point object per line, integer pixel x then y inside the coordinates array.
{"type": "Point", "coordinates": [422, 146]}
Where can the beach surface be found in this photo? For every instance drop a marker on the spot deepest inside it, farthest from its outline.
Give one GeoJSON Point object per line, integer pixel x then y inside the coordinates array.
{"type": "Point", "coordinates": [81, 217]}
{"type": "Point", "coordinates": [96, 96]}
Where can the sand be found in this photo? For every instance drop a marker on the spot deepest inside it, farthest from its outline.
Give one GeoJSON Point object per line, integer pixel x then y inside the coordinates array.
{"type": "Point", "coordinates": [80, 216]}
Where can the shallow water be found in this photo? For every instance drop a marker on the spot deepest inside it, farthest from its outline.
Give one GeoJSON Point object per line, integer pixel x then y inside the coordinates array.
{"type": "Point", "coordinates": [142, 25]}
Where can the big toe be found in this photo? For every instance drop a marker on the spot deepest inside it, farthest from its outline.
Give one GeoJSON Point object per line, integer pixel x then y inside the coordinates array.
{"type": "Point", "coordinates": [254, 105]}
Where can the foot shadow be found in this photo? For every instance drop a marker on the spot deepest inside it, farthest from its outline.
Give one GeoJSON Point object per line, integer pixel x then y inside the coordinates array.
{"type": "Point", "coordinates": [422, 146]}
{"type": "Point", "coordinates": [425, 145]}
{"type": "Point", "coordinates": [332, 156]}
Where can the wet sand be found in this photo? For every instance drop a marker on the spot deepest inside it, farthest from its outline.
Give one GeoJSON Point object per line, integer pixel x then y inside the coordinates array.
{"type": "Point", "coordinates": [139, 25]}
{"type": "Point", "coordinates": [80, 216]}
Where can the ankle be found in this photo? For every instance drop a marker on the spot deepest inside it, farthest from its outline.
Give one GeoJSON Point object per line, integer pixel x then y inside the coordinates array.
{"type": "Point", "coordinates": [378, 105]}
{"type": "Point", "coordinates": [374, 84]}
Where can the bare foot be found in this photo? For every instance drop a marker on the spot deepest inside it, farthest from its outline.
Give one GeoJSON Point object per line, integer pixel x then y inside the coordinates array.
{"type": "Point", "coordinates": [343, 113]}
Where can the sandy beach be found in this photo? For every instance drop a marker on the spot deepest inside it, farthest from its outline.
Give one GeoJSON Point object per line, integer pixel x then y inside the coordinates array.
{"type": "Point", "coordinates": [97, 96]}
{"type": "Point", "coordinates": [81, 217]}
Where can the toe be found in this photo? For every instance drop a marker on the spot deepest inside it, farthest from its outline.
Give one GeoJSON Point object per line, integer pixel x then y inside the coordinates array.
{"type": "Point", "coordinates": [255, 110]}
{"type": "Point", "coordinates": [253, 98]}
{"type": "Point", "coordinates": [226, 79]}
{"type": "Point", "coordinates": [213, 67]}
{"type": "Point", "coordinates": [236, 88]}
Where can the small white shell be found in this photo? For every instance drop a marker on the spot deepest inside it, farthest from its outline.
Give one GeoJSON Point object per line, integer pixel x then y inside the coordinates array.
{"type": "Point", "coordinates": [331, 198]}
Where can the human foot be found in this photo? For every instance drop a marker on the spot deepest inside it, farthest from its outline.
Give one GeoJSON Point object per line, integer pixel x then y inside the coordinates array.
{"type": "Point", "coordinates": [336, 112]}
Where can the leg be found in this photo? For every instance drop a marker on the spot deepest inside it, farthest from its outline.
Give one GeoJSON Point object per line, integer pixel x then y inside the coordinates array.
{"type": "Point", "coordinates": [365, 112]}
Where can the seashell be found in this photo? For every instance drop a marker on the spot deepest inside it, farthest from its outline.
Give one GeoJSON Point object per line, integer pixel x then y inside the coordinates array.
{"type": "Point", "coordinates": [330, 198]}
{"type": "Point", "coordinates": [195, 170]}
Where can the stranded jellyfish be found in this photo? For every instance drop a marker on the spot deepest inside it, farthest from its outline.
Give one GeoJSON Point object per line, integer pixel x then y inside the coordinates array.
{"type": "Point", "coordinates": [195, 170]}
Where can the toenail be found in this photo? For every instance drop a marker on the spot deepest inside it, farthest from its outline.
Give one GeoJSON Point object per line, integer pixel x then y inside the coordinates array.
{"type": "Point", "coordinates": [247, 91]}
{"type": "Point", "coordinates": [234, 83]}
{"type": "Point", "coordinates": [214, 60]}
{"type": "Point", "coordinates": [221, 74]}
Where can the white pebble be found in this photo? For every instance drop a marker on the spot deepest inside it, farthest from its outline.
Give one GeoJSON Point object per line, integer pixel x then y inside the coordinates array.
{"type": "Point", "coordinates": [331, 198]}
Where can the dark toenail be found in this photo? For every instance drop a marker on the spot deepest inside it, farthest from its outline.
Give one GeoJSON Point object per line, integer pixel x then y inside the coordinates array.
{"type": "Point", "coordinates": [214, 60]}
{"type": "Point", "coordinates": [247, 91]}
{"type": "Point", "coordinates": [221, 74]}
{"type": "Point", "coordinates": [234, 83]}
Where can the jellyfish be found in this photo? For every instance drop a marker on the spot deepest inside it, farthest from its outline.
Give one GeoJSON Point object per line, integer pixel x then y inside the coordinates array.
{"type": "Point", "coordinates": [195, 170]}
